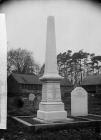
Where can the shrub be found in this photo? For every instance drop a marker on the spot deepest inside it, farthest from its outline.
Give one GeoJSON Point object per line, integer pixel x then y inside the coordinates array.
{"type": "Point", "coordinates": [18, 102]}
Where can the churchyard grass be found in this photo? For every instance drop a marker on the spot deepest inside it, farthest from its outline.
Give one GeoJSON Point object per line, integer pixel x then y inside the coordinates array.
{"type": "Point", "coordinates": [17, 132]}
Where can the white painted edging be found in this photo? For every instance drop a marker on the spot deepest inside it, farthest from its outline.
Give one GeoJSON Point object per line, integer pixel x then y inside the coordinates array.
{"type": "Point", "coordinates": [22, 121]}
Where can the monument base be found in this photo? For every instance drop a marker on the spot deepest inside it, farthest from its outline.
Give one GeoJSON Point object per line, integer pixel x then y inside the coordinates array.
{"type": "Point", "coordinates": [51, 111]}
{"type": "Point", "coordinates": [52, 115]}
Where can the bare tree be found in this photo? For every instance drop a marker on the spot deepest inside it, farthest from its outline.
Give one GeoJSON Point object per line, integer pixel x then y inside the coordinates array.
{"type": "Point", "coordinates": [21, 61]}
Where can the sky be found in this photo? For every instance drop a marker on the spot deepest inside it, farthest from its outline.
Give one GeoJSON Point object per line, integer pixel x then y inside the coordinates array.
{"type": "Point", "coordinates": [77, 26]}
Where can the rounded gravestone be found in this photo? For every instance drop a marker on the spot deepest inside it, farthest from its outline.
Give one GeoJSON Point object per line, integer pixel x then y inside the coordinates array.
{"type": "Point", "coordinates": [79, 102]}
{"type": "Point", "coordinates": [31, 97]}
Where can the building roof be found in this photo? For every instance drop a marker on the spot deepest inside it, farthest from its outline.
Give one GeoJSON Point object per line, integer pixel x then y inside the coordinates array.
{"type": "Point", "coordinates": [34, 79]}
{"type": "Point", "coordinates": [92, 80]}
{"type": "Point", "coordinates": [26, 78]}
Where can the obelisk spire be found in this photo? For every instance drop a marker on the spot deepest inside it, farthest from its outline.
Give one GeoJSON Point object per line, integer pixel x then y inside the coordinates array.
{"type": "Point", "coordinates": [50, 59]}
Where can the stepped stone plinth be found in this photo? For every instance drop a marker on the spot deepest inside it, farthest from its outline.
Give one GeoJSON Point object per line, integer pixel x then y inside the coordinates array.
{"type": "Point", "coordinates": [51, 107]}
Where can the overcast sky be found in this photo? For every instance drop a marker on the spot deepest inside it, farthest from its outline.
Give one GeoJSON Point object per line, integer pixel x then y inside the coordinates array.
{"type": "Point", "coordinates": [77, 24]}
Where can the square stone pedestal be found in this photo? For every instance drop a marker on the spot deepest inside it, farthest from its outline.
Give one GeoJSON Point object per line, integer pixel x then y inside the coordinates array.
{"type": "Point", "coordinates": [51, 111]}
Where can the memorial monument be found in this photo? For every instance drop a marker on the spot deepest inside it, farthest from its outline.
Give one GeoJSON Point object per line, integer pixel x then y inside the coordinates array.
{"type": "Point", "coordinates": [51, 107]}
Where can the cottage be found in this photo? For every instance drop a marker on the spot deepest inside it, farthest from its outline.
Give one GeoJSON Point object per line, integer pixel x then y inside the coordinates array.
{"type": "Point", "coordinates": [92, 84]}
{"type": "Point", "coordinates": [23, 84]}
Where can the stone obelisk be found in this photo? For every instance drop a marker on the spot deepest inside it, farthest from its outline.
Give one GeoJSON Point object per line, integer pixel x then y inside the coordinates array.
{"type": "Point", "coordinates": [51, 107]}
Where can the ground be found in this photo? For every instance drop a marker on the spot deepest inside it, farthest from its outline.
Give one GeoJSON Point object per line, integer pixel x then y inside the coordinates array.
{"type": "Point", "coordinates": [17, 132]}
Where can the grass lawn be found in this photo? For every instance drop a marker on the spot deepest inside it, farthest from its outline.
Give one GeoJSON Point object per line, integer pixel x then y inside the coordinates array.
{"type": "Point", "coordinates": [17, 132]}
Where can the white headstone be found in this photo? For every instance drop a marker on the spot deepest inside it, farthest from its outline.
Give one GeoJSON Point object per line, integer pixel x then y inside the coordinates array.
{"type": "Point", "coordinates": [3, 72]}
{"type": "Point", "coordinates": [31, 97]}
{"type": "Point", "coordinates": [79, 102]}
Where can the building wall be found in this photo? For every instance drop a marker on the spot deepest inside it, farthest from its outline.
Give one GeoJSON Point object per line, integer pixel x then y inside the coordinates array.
{"type": "Point", "coordinates": [66, 91]}
{"type": "Point", "coordinates": [17, 89]}
{"type": "Point", "coordinates": [12, 86]}
{"type": "Point", "coordinates": [96, 89]}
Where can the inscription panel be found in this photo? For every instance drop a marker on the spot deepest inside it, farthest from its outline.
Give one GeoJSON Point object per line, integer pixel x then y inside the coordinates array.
{"type": "Point", "coordinates": [51, 92]}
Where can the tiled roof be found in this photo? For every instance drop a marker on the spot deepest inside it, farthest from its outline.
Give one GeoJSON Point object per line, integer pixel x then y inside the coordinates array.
{"type": "Point", "coordinates": [33, 79]}
{"type": "Point", "coordinates": [26, 78]}
{"type": "Point", "coordinates": [92, 80]}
